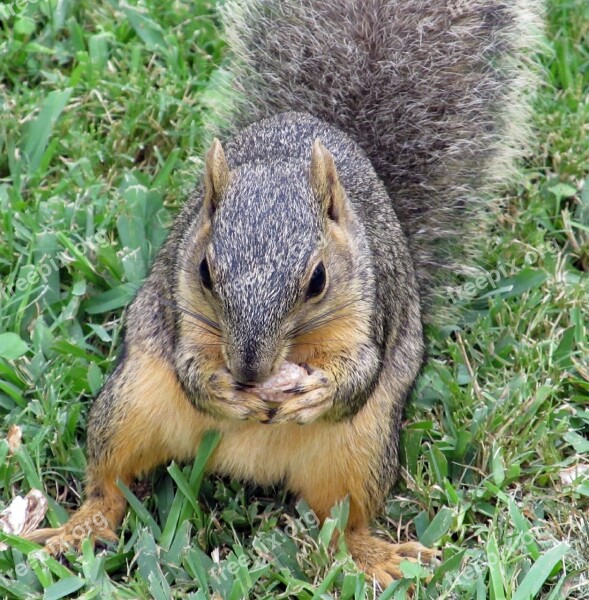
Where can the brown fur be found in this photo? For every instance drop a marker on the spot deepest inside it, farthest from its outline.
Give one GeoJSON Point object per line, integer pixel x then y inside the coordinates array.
{"type": "Point", "coordinates": [323, 462]}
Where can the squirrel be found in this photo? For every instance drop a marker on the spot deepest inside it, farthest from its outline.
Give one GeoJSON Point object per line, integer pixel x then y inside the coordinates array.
{"type": "Point", "coordinates": [357, 167]}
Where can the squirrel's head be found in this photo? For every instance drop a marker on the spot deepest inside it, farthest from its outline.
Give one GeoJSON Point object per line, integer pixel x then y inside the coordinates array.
{"type": "Point", "coordinates": [274, 262]}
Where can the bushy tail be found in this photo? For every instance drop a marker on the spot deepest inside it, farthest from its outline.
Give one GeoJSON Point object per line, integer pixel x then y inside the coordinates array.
{"type": "Point", "coordinates": [435, 91]}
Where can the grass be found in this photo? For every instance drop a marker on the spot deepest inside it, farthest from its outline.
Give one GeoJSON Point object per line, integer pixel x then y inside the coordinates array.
{"type": "Point", "coordinates": [103, 109]}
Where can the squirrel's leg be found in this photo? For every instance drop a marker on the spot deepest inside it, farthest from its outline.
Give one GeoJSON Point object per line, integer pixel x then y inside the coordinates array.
{"type": "Point", "coordinates": [358, 459]}
{"type": "Point", "coordinates": [140, 419]}
{"type": "Point", "coordinates": [352, 464]}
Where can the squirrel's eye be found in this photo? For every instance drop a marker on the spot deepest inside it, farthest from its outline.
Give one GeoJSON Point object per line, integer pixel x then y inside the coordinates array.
{"type": "Point", "coordinates": [317, 282]}
{"type": "Point", "coordinates": [205, 274]}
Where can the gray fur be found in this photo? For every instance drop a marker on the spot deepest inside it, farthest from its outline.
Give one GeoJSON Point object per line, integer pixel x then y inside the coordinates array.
{"type": "Point", "coordinates": [266, 229]}
{"type": "Point", "coordinates": [432, 90]}
{"type": "Point", "coordinates": [264, 269]}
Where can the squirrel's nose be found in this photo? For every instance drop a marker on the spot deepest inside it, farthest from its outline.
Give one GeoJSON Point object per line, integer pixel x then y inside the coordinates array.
{"type": "Point", "coordinates": [249, 374]}
{"type": "Point", "coordinates": [248, 360]}
{"type": "Point", "coordinates": [248, 371]}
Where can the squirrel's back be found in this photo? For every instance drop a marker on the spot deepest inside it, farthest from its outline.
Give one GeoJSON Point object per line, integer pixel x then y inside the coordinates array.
{"type": "Point", "coordinates": [435, 92]}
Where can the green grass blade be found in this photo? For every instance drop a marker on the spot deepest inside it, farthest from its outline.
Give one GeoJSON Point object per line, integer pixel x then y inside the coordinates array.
{"type": "Point", "coordinates": [495, 573]}
{"type": "Point", "coordinates": [63, 588]}
{"type": "Point", "coordinates": [540, 572]}
{"type": "Point", "coordinates": [39, 131]}
{"type": "Point", "coordinates": [140, 510]}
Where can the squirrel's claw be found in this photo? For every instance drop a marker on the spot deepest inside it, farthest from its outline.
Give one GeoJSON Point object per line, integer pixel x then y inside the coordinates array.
{"type": "Point", "coordinates": [228, 399]}
{"type": "Point", "coordinates": [302, 409]}
{"type": "Point", "coordinates": [315, 380]}
{"type": "Point", "coordinates": [303, 403]}
{"type": "Point", "coordinates": [307, 401]}
{"type": "Point", "coordinates": [382, 560]}
{"type": "Point", "coordinates": [241, 405]}
{"type": "Point", "coordinates": [57, 541]}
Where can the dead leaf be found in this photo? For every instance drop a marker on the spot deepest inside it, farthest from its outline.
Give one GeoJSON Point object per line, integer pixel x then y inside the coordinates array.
{"type": "Point", "coordinates": [23, 515]}
{"type": "Point", "coordinates": [14, 438]}
{"type": "Point", "coordinates": [570, 475]}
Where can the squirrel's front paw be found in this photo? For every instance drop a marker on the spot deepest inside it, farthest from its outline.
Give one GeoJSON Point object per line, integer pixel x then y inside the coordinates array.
{"type": "Point", "coordinates": [228, 399]}
{"type": "Point", "coordinates": [308, 400]}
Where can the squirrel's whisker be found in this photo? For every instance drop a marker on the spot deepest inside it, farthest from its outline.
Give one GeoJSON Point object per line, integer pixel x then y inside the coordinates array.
{"type": "Point", "coordinates": [211, 327]}
{"type": "Point", "coordinates": [325, 318]}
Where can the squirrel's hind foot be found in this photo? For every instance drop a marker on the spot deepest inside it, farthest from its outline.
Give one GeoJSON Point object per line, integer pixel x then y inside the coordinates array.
{"type": "Point", "coordinates": [93, 520]}
{"type": "Point", "coordinates": [57, 541]}
{"type": "Point", "coordinates": [382, 560]}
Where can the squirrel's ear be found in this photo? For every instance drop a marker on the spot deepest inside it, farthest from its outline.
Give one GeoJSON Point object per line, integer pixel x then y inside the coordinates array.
{"type": "Point", "coordinates": [217, 175]}
{"type": "Point", "coordinates": [325, 181]}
